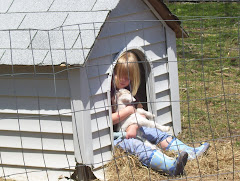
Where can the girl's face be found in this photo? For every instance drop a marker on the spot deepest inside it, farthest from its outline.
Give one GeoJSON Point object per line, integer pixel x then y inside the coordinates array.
{"type": "Point", "coordinates": [123, 81]}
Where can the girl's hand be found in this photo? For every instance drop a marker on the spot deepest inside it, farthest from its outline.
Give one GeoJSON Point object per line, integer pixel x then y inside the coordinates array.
{"type": "Point", "coordinates": [132, 131]}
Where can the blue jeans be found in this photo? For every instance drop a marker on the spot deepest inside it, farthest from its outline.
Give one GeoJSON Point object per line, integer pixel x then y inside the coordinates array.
{"type": "Point", "coordinates": [136, 147]}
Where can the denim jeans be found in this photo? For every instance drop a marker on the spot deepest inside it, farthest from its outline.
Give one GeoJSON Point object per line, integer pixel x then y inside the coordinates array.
{"type": "Point", "coordinates": [136, 146]}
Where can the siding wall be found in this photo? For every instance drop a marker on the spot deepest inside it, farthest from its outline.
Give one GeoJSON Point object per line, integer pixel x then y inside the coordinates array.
{"type": "Point", "coordinates": [125, 28]}
{"type": "Point", "coordinates": [35, 124]}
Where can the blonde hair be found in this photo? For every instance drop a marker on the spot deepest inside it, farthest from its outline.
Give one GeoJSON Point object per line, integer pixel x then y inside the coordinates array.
{"type": "Point", "coordinates": [127, 65]}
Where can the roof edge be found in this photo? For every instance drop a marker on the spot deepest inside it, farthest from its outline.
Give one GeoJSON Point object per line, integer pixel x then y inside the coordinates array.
{"type": "Point", "coordinates": [157, 6]}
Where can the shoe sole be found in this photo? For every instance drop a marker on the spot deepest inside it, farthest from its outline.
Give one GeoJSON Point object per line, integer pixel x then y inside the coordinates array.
{"type": "Point", "coordinates": [182, 160]}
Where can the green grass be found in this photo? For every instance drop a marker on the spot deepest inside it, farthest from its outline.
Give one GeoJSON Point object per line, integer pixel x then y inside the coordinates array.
{"type": "Point", "coordinates": [209, 69]}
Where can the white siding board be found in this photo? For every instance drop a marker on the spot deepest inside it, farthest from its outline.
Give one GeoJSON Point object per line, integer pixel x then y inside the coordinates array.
{"type": "Point", "coordinates": [138, 38]}
{"type": "Point", "coordinates": [155, 51]}
{"type": "Point", "coordinates": [101, 139]}
{"type": "Point", "coordinates": [33, 123]}
{"type": "Point", "coordinates": [99, 102]}
{"type": "Point", "coordinates": [98, 70]}
{"type": "Point", "coordinates": [98, 85]}
{"type": "Point", "coordinates": [24, 100]}
{"type": "Point", "coordinates": [52, 160]}
{"type": "Point", "coordinates": [100, 121]}
{"type": "Point", "coordinates": [34, 87]}
{"type": "Point", "coordinates": [126, 24]}
{"type": "Point", "coordinates": [133, 7]}
{"type": "Point", "coordinates": [164, 116]}
{"type": "Point", "coordinates": [35, 141]}
{"type": "Point", "coordinates": [163, 99]}
{"type": "Point", "coordinates": [31, 105]}
{"type": "Point", "coordinates": [102, 156]}
{"type": "Point", "coordinates": [159, 67]}
{"type": "Point", "coordinates": [161, 83]}
{"type": "Point", "coordinates": [106, 60]}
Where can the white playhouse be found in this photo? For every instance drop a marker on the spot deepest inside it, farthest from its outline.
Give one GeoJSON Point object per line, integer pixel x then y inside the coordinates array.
{"type": "Point", "coordinates": [56, 64]}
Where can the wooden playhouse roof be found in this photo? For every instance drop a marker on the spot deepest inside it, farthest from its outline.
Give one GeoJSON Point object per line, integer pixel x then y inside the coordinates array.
{"type": "Point", "coordinates": [37, 32]}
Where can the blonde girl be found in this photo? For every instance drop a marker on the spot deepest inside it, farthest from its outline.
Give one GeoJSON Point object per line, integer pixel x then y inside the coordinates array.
{"type": "Point", "coordinates": [127, 75]}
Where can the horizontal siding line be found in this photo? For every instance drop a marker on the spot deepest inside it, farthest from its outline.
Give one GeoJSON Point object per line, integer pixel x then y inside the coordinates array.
{"type": "Point", "coordinates": [99, 109]}
{"type": "Point", "coordinates": [26, 76]}
{"type": "Point", "coordinates": [50, 97]}
{"type": "Point", "coordinates": [93, 77]}
{"type": "Point", "coordinates": [166, 122]}
{"type": "Point", "coordinates": [107, 146]}
{"type": "Point", "coordinates": [33, 116]}
{"type": "Point", "coordinates": [120, 34]}
{"type": "Point", "coordinates": [159, 42]}
{"type": "Point", "coordinates": [102, 128]}
{"type": "Point", "coordinates": [125, 15]}
{"type": "Point", "coordinates": [68, 113]}
{"type": "Point", "coordinates": [159, 75]}
{"type": "Point", "coordinates": [98, 94]}
{"type": "Point", "coordinates": [163, 90]}
{"type": "Point", "coordinates": [99, 148]}
{"type": "Point", "coordinates": [41, 168]}
{"type": "Point", "coordinates": [114, 53]}
{"type": "Point", "coordinates": [96, 132]}
{"type": "Point", "coordinates": [163, 107]}
{"type": "Point", "coordinates": [95, 58]}
{"type": "Point", "coordinates": [37, 132]}
{"type": "Point", "coordinates": [18, 149]}
{"type": "Point", "coordinates": [160, 60]}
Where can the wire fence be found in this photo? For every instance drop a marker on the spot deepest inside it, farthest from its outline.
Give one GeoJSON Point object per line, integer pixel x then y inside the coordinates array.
{"type": "Point", "coordinates": [55, 115]}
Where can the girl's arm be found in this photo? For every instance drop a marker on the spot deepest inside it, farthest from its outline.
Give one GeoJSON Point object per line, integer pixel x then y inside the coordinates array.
{"type": "Point", "coordinates": [122, 115]}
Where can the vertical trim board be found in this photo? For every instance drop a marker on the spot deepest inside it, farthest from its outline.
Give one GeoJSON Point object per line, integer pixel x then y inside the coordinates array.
{"type": "Point", "coordinates": [173, 79]}
{"type": "Point", "coordinates": [80, 104]}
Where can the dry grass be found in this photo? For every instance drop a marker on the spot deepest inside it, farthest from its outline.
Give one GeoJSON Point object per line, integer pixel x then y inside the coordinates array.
{"type": "Point", "coordinates": [3, 179]}
{"type": "Point", "coordinates": [217, 164]}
